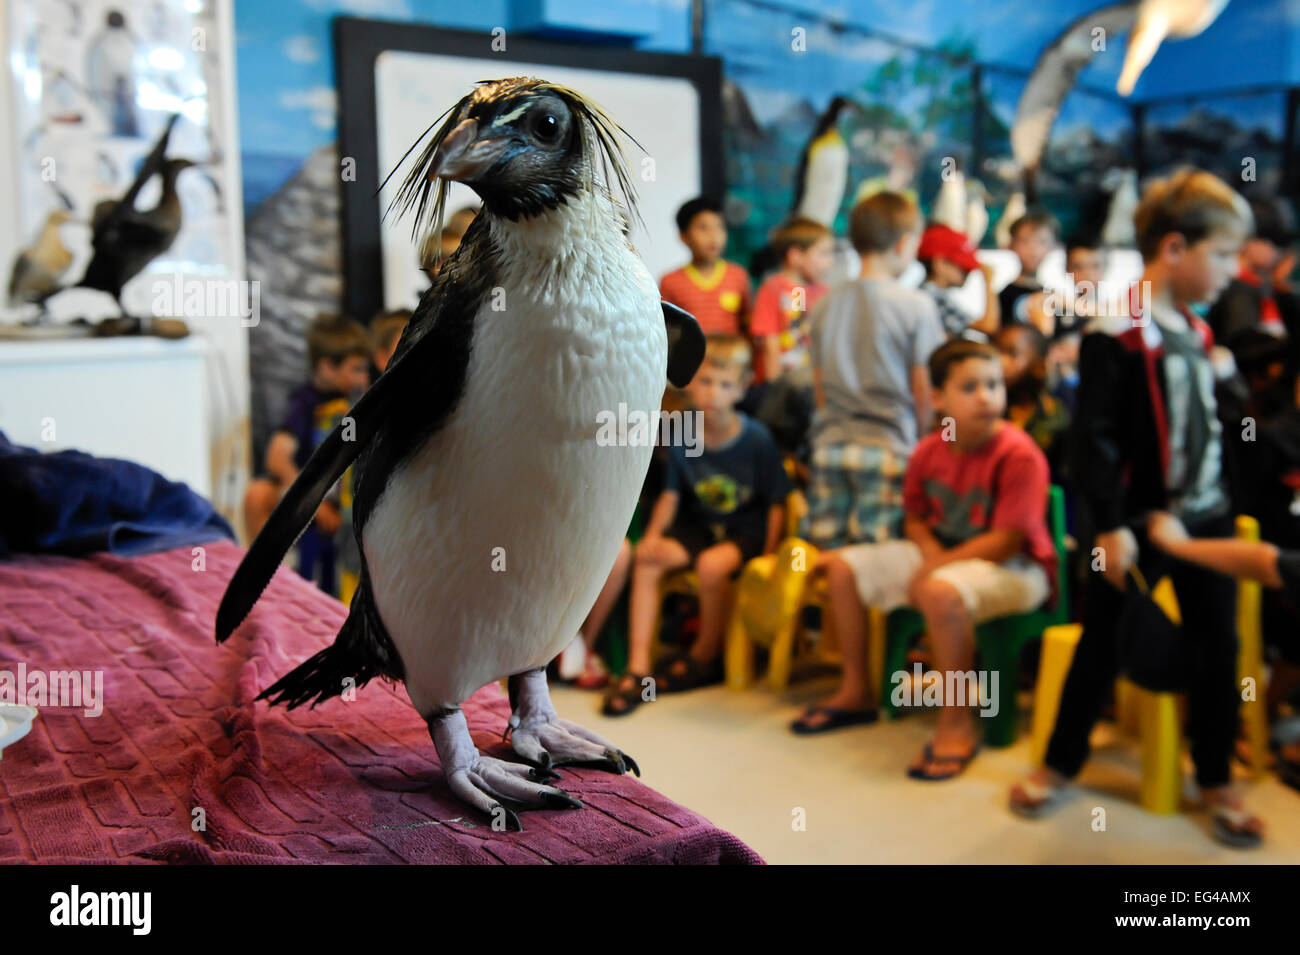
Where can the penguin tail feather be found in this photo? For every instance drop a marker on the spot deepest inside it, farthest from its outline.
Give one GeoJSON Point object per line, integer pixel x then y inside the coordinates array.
{"type": "Point", "coordinates": [362, 651]}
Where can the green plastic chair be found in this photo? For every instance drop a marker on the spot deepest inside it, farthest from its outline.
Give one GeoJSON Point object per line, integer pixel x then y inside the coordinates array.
{"type": "Point", "coordinates": [997, 642]}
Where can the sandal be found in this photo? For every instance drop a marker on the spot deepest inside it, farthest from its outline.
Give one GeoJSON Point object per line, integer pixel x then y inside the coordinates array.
{"type": "Point", "coordinates": [1230, 827]}
{"type": "Point", "coordinates": [920, 772]}
{"type": "Point", "coordinates": [1043, 799]}
{"type": "Point", "coordinates": [833, 719]}
{"type": "Point", "coordinates": [627, 698]}
{"type": "Point", "coordinates": [697, 674]}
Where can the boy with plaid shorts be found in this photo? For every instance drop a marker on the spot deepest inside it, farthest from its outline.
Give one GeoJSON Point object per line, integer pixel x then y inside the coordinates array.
{"type": "Point", "coordinates": [871, 339]}
{"type": "Point", "coordinates": [976, 547]}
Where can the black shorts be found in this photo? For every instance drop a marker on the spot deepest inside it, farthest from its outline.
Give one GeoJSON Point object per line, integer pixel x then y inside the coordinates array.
{"type": "Point", "coordinates": [697, 539]}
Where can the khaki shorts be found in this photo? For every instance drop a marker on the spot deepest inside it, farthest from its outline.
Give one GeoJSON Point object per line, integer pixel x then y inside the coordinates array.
{"type": "Point", "coordinates": [883, 571]}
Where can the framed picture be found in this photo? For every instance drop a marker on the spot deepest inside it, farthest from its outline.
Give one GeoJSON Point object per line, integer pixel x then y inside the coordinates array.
{"type": "Point", "coordinates": [395, 79]}
{"type": "Point", "coordinates": [95, 82]}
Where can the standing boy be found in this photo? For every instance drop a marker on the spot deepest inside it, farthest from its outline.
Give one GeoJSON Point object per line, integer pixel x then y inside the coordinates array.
{"type": "Point", "coordinates": [1147, 437]}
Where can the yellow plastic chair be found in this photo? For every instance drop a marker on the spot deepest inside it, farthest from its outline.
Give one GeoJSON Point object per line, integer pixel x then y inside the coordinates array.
{"type": "Point", "coordinates": [1157, 718]}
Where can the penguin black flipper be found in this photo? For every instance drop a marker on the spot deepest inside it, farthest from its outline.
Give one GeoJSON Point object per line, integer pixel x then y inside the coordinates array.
{"type": "Point", "coordinates": [407, 403]}
{"type": "Point", "coordinates": [685, 344]}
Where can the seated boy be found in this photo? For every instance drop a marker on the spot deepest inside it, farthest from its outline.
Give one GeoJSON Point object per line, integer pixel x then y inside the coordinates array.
{"type": "Point", "coordinates": [718, 510]}
{"type": "Point", "coordinates": [976, 548]}
{"type": "Point", "coordinates": [338, 350]}
{"type": "Point", "coordinates": [949, 258]}
{"type": "Point", "coordinates": [712, 289]}
{"type": "Point", "coordinates": [1029, 406]}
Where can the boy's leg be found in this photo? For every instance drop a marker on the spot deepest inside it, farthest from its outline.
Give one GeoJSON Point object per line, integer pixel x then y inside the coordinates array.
{"type": "Point", "coordinates": [859, 577]}
{"type": "Point", "coordinates": [1208, 605]}
{"type": "Point", "coordinates": [716, 565]}
{"type": "Point", "coordinates": [608, 595]}
{"type": "Point", "coordinates": [259, 501]}
{"type": "Point", "coordinates": [648, 568]}
{"type": "Point", "coordinates": [951, 628]}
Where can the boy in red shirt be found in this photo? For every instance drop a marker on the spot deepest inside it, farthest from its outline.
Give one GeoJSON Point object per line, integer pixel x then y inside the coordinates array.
{"type": "Point", "coordinates": [712, 289]}
{"type": "Point", "coordinates": [779, 327]}
{"type": "Point", "coordinates": [976, 548]}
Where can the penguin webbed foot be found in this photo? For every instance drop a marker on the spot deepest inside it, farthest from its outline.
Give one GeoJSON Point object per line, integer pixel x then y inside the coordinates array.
{"type": "Point", "coordinates": [559, 742]}
{"type": "Point", "coordinates": [494, 787]}
{"type": "Point", "coordinates": [540, 737]}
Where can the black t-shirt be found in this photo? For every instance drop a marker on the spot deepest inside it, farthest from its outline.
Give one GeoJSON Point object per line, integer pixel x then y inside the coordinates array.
{"type": "Point", "coordinates": [310, 417]}
{"type": "Point", "coordinates": [730, 488]}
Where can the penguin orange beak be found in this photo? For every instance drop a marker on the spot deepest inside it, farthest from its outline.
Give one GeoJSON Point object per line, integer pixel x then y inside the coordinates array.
{"type": "Point", "coordinates": [463, 157]}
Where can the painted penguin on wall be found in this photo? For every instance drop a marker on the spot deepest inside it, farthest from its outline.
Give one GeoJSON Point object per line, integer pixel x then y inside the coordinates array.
{"type": "Point", "coordinates": [486, 512]}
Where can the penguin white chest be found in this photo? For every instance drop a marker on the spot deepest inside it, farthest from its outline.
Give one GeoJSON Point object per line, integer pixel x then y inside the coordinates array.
{"type": "Point", "coordinates": [487, 549]}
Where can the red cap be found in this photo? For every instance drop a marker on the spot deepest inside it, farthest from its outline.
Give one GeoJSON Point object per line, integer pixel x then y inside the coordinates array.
{"type": "Point", "coordinates": [941, 242]}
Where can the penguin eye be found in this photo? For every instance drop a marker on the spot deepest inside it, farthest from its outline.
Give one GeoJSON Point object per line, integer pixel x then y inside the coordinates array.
{"type": "Point", "coordinates": [545, 126]}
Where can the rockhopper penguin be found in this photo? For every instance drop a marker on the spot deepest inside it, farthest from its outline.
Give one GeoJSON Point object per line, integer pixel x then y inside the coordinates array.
{"type": "Point", "coordinates": [486, 512]}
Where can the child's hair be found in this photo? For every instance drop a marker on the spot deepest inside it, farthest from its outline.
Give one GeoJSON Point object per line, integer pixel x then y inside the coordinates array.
{"type": "Point", "coordinates": [955, 351]}
{"type": "Point", "coordinates": [336, 338]}
{"type": "Point", "coordinates": [1037, 219]}
{"type": "Point", "coordinates": [800, 233]}
{"type": "Point", "coordinates": [1037, 340]}
{"type": "Point", "coordinates": [386, 328]}
{"type": "Point", "coordinates": [689, 210]}
{"type": "Point", "coordinates": [1192, 202]}
{"type": "Point", "coordinates": [1081, 240]}
{"type": "Point", "coordinates": [880, 220]}
{"type": "Point", "coordinates": [727, 351]}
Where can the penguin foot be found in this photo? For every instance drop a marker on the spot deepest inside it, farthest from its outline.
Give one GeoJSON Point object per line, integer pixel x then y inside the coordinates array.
{"type": "Point", "coordinates": [561, 743]}
{"type": "Point", "coordinates": [545, 740]}
{"type": "Point", "coordinates": [494, 787]}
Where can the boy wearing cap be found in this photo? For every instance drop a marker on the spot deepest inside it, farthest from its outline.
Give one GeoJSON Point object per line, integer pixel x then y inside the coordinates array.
{"type": "Point", "coordinates": [949, 258]}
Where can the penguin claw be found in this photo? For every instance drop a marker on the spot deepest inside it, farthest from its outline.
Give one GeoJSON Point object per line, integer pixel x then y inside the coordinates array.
{"type": "Point", "coordinates": [512, 818]}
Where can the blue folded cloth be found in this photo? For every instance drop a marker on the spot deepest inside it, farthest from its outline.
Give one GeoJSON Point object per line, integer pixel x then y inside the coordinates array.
{"type": "Point", "coordinates": [70, 502]}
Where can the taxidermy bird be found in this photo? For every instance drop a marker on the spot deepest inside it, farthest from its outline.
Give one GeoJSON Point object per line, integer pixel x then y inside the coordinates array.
{"type": "Point", "coordinates": [37, 270]}
{"type": "Point", "coordinates": [486, 510]}
{"type": "Point", "coordinates": [1148, 22]}
{"type": "Point", "coordinates": [126, 239]}
{"type": "Point", "coordinates": [823, 172]}
{"type": "Point", "coordinates": [977, 212]}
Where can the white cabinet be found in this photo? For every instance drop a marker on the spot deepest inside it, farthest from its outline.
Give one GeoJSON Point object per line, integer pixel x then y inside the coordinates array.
{"type": "Point", "coordinates": [139, 398]}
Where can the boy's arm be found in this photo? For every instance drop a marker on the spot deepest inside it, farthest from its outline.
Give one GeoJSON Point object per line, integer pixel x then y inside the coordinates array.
{"type": "Point", "coordinates": [818, 395]}
{"type": "Point", "coordinates": [1254, 560]}
{"type": "Point", "coordinates": [661, 517]}
{"type": "Point", "coordinates": [997, 545]}
{"type": "Point", "coordinates": [921, 399]}
{"type": "Point", "coordinates": [771, 356]}
{"type": "Point", "coordinates": [916, 530]}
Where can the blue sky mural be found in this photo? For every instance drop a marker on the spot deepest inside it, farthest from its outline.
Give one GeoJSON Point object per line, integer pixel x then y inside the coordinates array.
{"type": "Point", "coordinates": [286, 90]}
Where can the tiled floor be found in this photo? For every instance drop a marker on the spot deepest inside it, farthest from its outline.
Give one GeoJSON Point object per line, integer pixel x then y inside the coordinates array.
{"type": "Point", "coordinates": [730, 757]}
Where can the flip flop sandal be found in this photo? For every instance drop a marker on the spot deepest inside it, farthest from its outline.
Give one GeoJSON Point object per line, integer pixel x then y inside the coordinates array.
{"type": "Point", "coordinates": [1046, 799]}
{"type": "Point", "coordinates": [834, 719]}
{"type": "Point", "coordinates": [1229, 827]}
{"type": "Point", "coordinates": [697, 675]}
{"type": "Point", "coordinates": [630, 697]}
{"type": "Point", "coordinates": [961, 761]}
